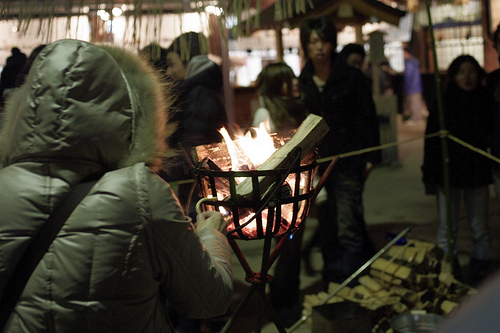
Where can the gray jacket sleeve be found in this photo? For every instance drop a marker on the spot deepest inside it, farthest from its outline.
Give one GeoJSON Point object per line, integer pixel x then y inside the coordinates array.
{"type": "Point", "coordinates": [195, 270]}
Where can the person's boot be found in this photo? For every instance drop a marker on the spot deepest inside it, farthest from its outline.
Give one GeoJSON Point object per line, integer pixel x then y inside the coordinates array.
{"type": "Point", "coordinates": [457, 270]}
{"type": "Point", "coordinates": [306, 253]}
{"type": "Point", "coordinates": [306, 257]}
{"type": "Point", "coordinates": [478, 270]}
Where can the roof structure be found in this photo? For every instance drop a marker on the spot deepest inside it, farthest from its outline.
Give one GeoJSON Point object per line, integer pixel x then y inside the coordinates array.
{"type": "Point", "coordinates": [342, 12]}
{"type": "Point", "coordinates": [269, 14]}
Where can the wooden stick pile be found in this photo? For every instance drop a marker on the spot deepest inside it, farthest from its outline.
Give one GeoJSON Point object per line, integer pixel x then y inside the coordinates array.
{"type": "Point", "coordinates": [407, 278]}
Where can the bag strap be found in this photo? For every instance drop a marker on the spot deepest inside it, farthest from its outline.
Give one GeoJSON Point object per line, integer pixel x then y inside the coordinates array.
{"type": "Point", "coordinates": [37, 249]}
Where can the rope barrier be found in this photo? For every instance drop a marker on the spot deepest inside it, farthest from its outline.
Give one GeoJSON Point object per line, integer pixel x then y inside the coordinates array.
{"type": "Point", "coordinates": [440, 134]}
{"type": "Point", "coordinates": [471, 147]}
{"type": "Point", "coordinates": [375, 148]}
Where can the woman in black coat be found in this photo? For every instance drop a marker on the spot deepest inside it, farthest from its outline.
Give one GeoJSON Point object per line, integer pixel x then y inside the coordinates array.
{"type": "Point", "coordinates": [468, 114]}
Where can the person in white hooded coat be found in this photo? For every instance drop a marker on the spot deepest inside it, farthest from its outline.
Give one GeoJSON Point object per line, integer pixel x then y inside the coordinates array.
{"type": "Point", "coordinates": [127, 252]}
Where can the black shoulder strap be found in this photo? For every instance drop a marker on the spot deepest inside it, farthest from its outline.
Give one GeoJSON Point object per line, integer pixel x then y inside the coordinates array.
{"type": "Point", "coordinates": [37, 249]}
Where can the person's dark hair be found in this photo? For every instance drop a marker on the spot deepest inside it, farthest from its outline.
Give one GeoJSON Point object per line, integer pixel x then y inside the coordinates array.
{"type": "Point", "coordinates": [15, 51]}
{"type": "Point", "coordinates": [270, 80]}
{"type": "Point", "coordinates": [455, 67]}
{"type": "Point", "coordinates": [21, 76]}
{"type": "Point", "coordinates": [340, 62]}
{"type": "Point", "coordinates": [286, 111]}
{"type": "Point", "coordinates": [189, 45]}
{"type": "Point", "coordinates": [352, 48]}
{"type": "Point", "coordinates": [155, 55]}
{"type": "Point", "coordinates": [324, 28]}
{"type": "Point", "coordinates": [496, 36]}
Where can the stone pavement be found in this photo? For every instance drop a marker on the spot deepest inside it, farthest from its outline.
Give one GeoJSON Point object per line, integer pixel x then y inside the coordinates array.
{"type": "Point", "coordinates": [394, 199]}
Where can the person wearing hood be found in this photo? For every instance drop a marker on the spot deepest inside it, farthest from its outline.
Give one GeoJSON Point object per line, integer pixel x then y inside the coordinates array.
{"type": "Point", "coordinates": [198, 83]}
{"type": "Point", "coordinates": [199, 111]}
{"type": "Point", "coordinates": [127, 252]}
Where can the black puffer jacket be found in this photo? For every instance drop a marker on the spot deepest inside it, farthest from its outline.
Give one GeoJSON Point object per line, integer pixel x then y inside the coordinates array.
{"type": "Point", "coordinates": [469, 117]}
{"type": "Point", "coordinates": [199, 110]}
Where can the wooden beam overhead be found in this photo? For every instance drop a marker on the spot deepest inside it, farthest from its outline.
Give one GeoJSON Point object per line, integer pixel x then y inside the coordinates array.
{"type": "Point", "coordinates": [363, 11]}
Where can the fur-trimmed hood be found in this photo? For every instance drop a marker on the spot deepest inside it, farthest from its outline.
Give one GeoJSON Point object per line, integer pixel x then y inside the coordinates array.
{"type": "Point", "coordinates": [127, 249]}
{"type": "Point", "coordinates": [89, 104]}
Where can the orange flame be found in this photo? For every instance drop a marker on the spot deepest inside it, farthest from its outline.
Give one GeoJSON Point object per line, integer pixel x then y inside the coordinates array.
{"type": "Point", "coordinates": [250, 150]}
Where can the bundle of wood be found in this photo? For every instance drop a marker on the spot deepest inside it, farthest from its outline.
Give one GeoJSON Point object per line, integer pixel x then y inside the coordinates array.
{"type": "Point", "coordinates": [407, 278]}
{"type": "Point", "coordinates": [310, 132]}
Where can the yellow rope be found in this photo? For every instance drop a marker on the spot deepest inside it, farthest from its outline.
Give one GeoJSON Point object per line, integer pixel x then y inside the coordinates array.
{"type": "Point", "coordinates": [366, 150]}
{"type": "Point", "coordinates": [441, 134]}
{"type": "Point", "coordinates": [471, 147]}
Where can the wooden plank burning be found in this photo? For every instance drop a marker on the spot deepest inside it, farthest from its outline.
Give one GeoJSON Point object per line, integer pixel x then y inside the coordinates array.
{"type": "Point", "coordinates": [309, 134]}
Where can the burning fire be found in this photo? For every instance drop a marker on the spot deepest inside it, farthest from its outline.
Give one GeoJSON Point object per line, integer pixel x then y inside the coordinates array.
{"type": "Point", "coordinates": [250, 150]}
{"type": "Point", "coordinates": [246, 152]}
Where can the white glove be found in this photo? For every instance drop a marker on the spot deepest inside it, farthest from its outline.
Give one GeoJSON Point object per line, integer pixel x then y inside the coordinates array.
{"type": "Point", "coordinates": [211, 219]}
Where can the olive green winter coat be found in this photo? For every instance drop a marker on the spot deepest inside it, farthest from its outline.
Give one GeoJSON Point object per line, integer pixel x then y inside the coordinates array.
{"type": "Point", "coordinates": [127, 249]}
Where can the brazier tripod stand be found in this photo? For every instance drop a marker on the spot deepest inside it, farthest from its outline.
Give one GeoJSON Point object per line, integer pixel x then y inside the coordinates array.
{"type": "Point", "coordinates": [267, 213]}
